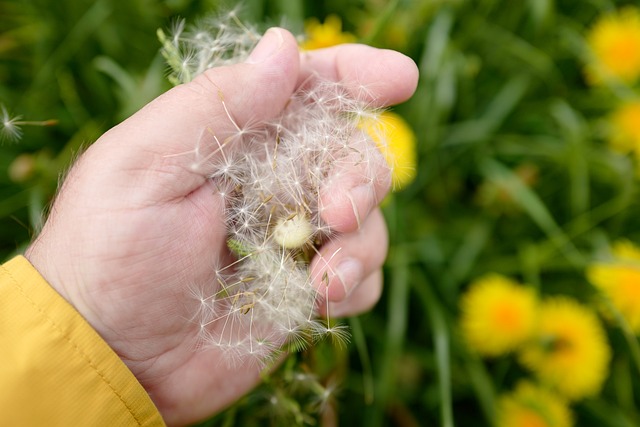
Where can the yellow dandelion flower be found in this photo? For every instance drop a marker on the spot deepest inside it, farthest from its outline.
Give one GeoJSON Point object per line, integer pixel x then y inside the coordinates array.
{"type": "Point", "coordinates": [570, 352]}
{"type": "Point", "coordinates": [615, 42]}
{"type": "Point", "coordinates": [624, 125]}
{"type": "Point", "coordinates": [327, 34]}
{"type": "Point", "coordinates": [395, 138]}
{"type": "Point", "coordinates": [625, 250]}
{"type": "Point", "coordinates": [498, 315]}
{"type": "Point", "coordinates": [530, 405]}
{"type": "Point", "coordinates": [619, 280]}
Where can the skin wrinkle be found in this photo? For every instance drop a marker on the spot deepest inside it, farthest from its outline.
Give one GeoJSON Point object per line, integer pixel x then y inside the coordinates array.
{"type": "Point", "coordinates": [144, 364]}
{"type": "Point", "coordinates": [274, 82]}
{"type": "Point", "coordinates": [162, 312]}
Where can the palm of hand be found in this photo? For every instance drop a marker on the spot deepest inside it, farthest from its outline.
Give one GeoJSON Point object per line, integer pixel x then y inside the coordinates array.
{"type": "Point", "coordinates": [143, 265]}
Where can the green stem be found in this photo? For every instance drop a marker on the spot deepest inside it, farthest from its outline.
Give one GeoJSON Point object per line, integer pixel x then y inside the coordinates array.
{"type": "Point", "coordinates": [365, 360]}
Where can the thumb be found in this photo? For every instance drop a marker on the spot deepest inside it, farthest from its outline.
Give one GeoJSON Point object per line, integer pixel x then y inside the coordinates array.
{"type": "Point", "coordinates": [180, 132]}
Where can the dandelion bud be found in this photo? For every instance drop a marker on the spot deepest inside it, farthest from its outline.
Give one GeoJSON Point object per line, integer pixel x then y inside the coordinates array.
{"type": "Point", "coordinates": [293, 232]}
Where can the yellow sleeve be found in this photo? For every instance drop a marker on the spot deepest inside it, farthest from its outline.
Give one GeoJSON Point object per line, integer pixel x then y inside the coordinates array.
{"type": "Point", "coordinates": [55, 370]}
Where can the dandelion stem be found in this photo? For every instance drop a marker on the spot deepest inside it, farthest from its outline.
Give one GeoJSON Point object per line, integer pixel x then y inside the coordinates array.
{"type": "Point", "coordinates": [363, 352]}
{"type": "Point", "coordinates": [632, 340]}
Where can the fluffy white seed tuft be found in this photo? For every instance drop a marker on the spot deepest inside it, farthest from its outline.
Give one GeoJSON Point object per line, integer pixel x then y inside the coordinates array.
{"type": "Point", "coordinates": [271, 176]}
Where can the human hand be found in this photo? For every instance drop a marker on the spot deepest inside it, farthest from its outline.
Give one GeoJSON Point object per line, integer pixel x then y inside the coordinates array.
{"type": "Point", "coordinates": [135, 226]}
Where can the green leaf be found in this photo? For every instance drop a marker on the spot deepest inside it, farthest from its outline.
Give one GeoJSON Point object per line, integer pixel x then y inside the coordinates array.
{"type": "Point", "coordinates": [531, 203]}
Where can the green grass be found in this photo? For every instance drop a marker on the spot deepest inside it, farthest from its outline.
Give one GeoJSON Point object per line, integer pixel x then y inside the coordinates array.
{"type": "Point", "coordinates": [501, 86]}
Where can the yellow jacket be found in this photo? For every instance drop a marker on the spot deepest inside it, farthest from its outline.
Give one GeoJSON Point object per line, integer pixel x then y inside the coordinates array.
{"type": "Point", "coordinates": [55, 370]}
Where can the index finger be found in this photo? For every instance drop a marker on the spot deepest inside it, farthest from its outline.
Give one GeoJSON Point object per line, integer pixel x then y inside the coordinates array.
{"type": "Point", "coordinates": [381, 77]}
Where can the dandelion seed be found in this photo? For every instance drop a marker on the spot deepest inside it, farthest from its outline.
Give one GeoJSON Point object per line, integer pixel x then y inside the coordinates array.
{"type": "Point", "coordinates": [11, 126]}
{"type": "Point", "coordinates": [338, 333]}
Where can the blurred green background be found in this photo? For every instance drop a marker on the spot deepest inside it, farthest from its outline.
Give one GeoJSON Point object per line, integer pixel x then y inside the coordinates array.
{"type": "Point", "coordinates": [514, 177]}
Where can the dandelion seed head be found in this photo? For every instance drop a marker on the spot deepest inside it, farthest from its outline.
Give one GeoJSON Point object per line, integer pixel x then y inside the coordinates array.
{"type": "Point", "coordinates": [270, 176]}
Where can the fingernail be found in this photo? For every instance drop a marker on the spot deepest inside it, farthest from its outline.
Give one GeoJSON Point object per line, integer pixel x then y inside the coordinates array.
{"type": "Point", "coordinates": [349, 273]}
{"type": "Point", "coordinates": [269, 44]}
